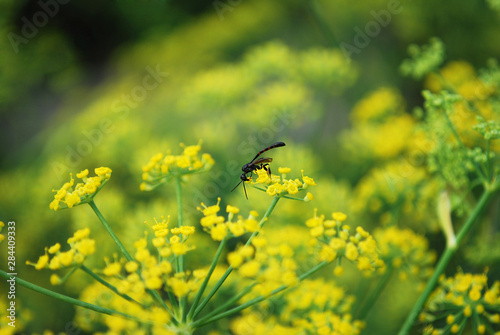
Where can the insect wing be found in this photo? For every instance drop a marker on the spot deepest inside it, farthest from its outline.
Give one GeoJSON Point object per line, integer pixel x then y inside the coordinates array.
{"type": "Point", "coordinates": [261, 160]}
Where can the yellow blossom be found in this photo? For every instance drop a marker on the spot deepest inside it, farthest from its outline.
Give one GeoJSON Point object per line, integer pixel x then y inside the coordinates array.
{"type": "Point", "coordinates": [249, 269]}
{"type": "Point", "coordinates": [55, 248]}
{"type": "Point", "coordinates": [112, 269]}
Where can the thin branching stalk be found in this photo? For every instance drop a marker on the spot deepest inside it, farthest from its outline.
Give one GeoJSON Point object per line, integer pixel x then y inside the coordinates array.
{"type": "Point", "coordinates": [71, 300]}
{"type": "Point", "coordinates": [230, 269]}
{"type": "Point", "coordinates": [254, 301]}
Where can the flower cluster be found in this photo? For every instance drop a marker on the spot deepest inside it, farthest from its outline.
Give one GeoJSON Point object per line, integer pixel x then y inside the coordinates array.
{"type": "Point", "coordinates": [162, 168]}
{"type": "Point", "coordinates": [314, 307]}
{"type": "Point", "coordinates": [461, 302]}
{"type": "Point", "coordinates": [397, 189]}
{"type": "Point", "coordinates": [219, 228]}
{"type": "Point", "coordinates": [333, 240]}
{"type": "Point", "coordinates": [267, 266]}
{"type": "Point", "coordinates": [405, 251]}
{"type": "Point", "coordinates": [280, 186]}
{"type": "Point", "coordinates": [157, 270]}
{"type": "Point", "coordinates": [81, 246]}
{"type": "Point", "coordinates": [70, 195]}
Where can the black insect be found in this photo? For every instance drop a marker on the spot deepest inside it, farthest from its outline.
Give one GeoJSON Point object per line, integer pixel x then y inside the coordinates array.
{"type": "Point", "coordinates": [257, 164]}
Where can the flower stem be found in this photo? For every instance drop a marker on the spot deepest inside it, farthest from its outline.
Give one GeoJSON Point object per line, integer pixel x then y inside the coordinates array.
{"type": "Point", "coordinates": [70, 300]}
{"type": "Point", "coordinates": [230, 301]}
{"type": "Point", "coordinates": [108, 285]}
{"type": "Point", "coordinates": [254, 301]}
{"type": "Point", "coordinates": [110, 231]}
{"type": "Point", "coordinates": [122, 248]}
{"type": "Point", "coordinates": [180, 217]}
{"type": "Point", "coordinates": [207, 278]}
{"type": "Point", "coordinates": [180, 259]}
{"type": "Point", "coordinates": [444, 260]}
{"type": "Point", "coordinates": [318, 14]}
{"type": "Point", "coordinates": [230, 269]}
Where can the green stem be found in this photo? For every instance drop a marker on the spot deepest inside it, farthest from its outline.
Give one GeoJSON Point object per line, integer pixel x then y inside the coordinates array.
{"type": "Point", "coordinates": [230, 302]}
{"type": "Point", "coordinates": [254, 301]}
{"type": "Point", "coordinates": [207, 278]}
{"type": "Point", "coordinates": [317, 13]}
{"type": "Point", "coordinates": [124, 251]}
{"type": "Point", "coordinates": [375, 294]}
{"type": "Point", "coordinates": [444, 260]}
{"type": "Point", "coordinates": [230, 269]}
{"type": "Point", "coordinates": [110, 231]}
{"type": "Point", "coordinates": [70, 300]}
{"type": "Point", "coordinates": [180, 259]}
{"type": "Point", "coordinates": [180, 216]}
{"type": "Point", "coordinates": [108, 285]}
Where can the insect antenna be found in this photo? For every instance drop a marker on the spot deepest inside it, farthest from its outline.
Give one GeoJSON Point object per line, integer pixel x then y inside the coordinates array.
{"type": "Point", "coordinates": [237, 185]}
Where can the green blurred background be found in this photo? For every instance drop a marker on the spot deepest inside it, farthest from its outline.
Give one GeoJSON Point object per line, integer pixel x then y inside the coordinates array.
{"type": "Point", "coordinates": [85, 84]}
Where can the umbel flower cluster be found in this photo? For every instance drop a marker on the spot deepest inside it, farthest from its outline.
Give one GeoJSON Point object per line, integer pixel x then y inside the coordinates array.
{"type": "Point", "coordinates": [81, 246]}
{"type": "Point", "coordinates": [333, 240]}
{"type": "Point", "coordinates": [461, 303]}
{"type": "Point", "coordinates": [157, 289]}
{"type": "Point", "coordinates": [70, 195]}
{"type": "Point", "coordinates": [162, 168]}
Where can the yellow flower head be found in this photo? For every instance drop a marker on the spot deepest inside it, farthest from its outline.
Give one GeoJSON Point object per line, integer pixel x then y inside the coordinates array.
{"type": "Point", "coordinates": [68, 196]}
{"type": "Point", "coordinates": [332, 241]}
{"type": "Point", "coordinates": [161, 169]}
{"type": "Point", "coordinates": [280, 186]}
{"type": "Point", "coordinates": [219, 228]}
{"type": "Point", "coordinates": [80, 247]}
{"type": "Point", "coordinates": [464, 294]}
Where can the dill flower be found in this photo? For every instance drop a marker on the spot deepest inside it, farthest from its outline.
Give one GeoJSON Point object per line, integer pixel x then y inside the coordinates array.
{"type": "Point", "coordinates": [464, 301]}
{"type": "Point", "coordinates": [406, 252]}
{"type": "Point", "coordinates": [81, 246]}
{"type": "Point", "coordinates": [70, 195]}
{"type": "Point", "coordinates": [332, 239]}
{"type": "Point", "coordinates": [313, 307]}
{"type": "Point", "coordinates": [219, 228]}
{"type": "Point", "coordinates": [280, 186]}
{"type": "Point", "coordinates": [162, 168]}
{"type": "Point", "coordinates": [157, 267]}
{"type": "Point", "coordinates": [266, 266]}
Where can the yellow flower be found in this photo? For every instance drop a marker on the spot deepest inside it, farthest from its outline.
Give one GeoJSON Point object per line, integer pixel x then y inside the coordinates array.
{"type": "Point", "coordinates": [67, 197]}
{"type": "Point", "coordinates": [232, 209]}
{"type": "Point", "coordinates": [112, 269]}
{"type": "Point", "coordinates": [235, 259]}
{"type": "Point", "coordinates": [249, 269]}
{"type": "Point", "coordinates": [339, 216]}
{"type": "Point", "coordinates": [42, 262]}
{"type": "Point", "coordinates": [307, 180]}
{"type": "Point", "coordinates": [85, 247]}
{"type": "Point", "coordinates": [219, 232]}
{"type": "Point", "coordinates": [160, 170]}
{"type": "Point", "coordinates": [55, 280]}
{"type": "Point", "coordinates": [284, 170]}
{"type": "Point", "coordinates": [179, 286]}
{"type": "Point", "coordinates": [55, 248]}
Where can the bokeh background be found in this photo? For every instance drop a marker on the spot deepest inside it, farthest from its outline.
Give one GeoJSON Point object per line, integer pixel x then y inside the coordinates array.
{"type": "Point", "coordinates": [85, 84]}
